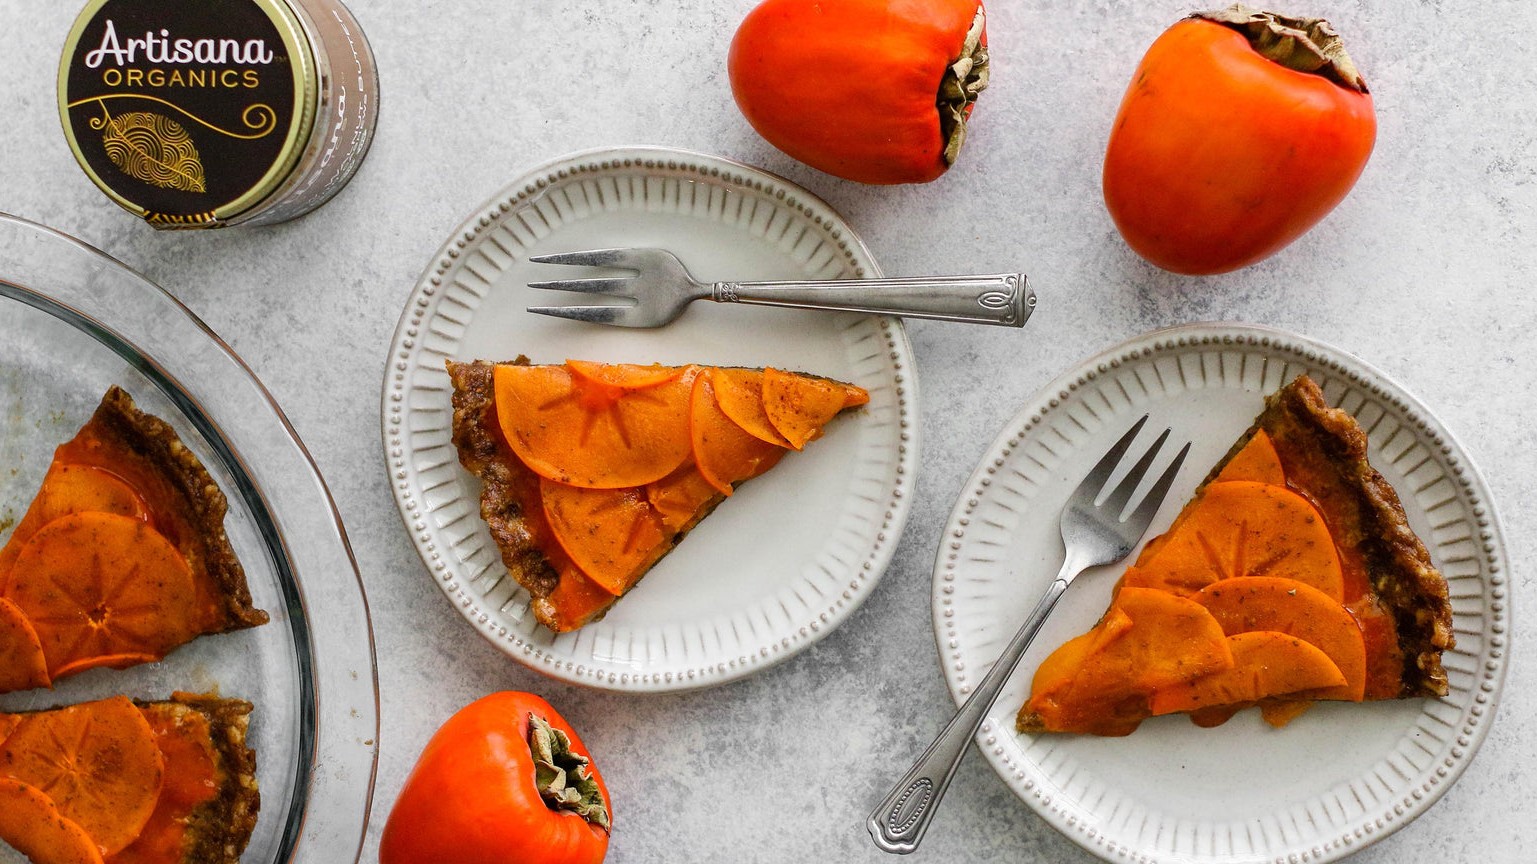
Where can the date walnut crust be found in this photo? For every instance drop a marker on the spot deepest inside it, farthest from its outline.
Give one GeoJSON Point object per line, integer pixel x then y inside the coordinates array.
{"type": "Point", "coordinates": [1363, 511]}
{"type": "Point", "coordinates": [219, 829]}
{"type": "Point", "coordinates": [144, 438]}
{"type": "Point", "coordinates": [506, 483]}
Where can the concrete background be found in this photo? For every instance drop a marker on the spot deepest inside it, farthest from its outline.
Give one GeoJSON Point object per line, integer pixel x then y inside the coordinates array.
{"type": "Point", "coordinates": [1424, 271]}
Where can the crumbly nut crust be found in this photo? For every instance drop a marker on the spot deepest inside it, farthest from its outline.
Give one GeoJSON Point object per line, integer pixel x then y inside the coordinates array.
{"type": "Point", "coordinates": [218, 830]}
{"type": "Point", "coordinates": [1371, 516]}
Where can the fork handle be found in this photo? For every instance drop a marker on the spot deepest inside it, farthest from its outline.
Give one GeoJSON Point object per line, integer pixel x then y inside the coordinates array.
{"type": "Point", "coordinates": [899, 823]}
{"type": "Point", "coordinates": [1004, 299]}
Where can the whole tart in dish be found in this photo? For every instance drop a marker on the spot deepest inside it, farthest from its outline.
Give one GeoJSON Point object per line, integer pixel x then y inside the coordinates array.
{"type": "Point", "coordinates": [125, 782]}
{"type": "Point", "coordinates": [591, 473]}
{"type": "Point", "coordinates": [120, 557]}
{"type": "Point", "coordinates": [1292, 576]}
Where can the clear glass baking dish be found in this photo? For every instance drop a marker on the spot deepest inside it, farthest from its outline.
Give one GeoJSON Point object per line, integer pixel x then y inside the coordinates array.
{"type": "Point", "coordinates": [73, 321]}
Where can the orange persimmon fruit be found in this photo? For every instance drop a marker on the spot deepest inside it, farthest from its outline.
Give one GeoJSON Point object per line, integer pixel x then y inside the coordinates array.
{"type": "Point", "coordinates": [97, 761]}
{"type": "Point", "coordinates": [799, 405]}
{"type": "Point", "coordinates": [101, 589]}
{"type": "Point", "coordinates": [1257, 461]}
{"type": "Point", "coordinates": [724, 452]}
{"type": "Point", "coordinates": [576, 431]}
{"type": "Point", "coordinates": [613, 535]}
{"type": "Point", "coordinates": [1284, 605]}
{"type": "Point", "coordinates": [1103, 682]}
{"type": "Point", "coordinates": [70, 488]}
{"type": "Point", "coordinates": [1266, 664]}
{"type": "Point", "coordinates": [476, 797]}
{"type": "Point", "coordinates": [1242, 528]}
{"type": "Point", "coordinates": [739, 392]}
{"type": "Point", "coordinates": [626, 376]}
{"type": "Point", "coordinates": [877, 91]}
{"type": "Point", "coordinates": [22, 663]}
{"type": "Point", "coordinates": [681, 498]}
{"type": "Point", "coordinates": [32, 824]}
{"type": "Point", "coordinates": [1232, 139]}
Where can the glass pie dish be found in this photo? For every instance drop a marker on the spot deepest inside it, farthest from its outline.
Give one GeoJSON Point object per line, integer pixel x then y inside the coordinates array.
{"type": "Point", "coordinates": [73, 322]}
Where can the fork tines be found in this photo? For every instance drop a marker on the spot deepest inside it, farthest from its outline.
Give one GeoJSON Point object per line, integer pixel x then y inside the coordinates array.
{"type": "Point", "coordinates": [1098, 479]}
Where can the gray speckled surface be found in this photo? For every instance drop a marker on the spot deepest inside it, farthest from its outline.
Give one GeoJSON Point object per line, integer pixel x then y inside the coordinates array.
{"type": "Point", "coordinates": [1425, 271]}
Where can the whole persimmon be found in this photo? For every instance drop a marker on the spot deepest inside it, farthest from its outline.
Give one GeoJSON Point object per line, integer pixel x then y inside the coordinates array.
{"type": "Point", "coordinates": [877, 91]}
{"type": "Point", "coordinates": [1240, 130]}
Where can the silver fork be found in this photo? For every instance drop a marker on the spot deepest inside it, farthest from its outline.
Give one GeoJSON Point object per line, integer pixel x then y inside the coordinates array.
{"type": "Point", "coordinates": [661, 287]}
{"type": "Point", "coordinates": [1094, 534]}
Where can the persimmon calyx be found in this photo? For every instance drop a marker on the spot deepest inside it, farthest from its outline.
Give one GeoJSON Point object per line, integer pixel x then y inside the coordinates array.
{"type": "Point", "coordinates": [1304, 44]}
{"type": "Point", "coordinates": [959, 86]}
{"type": "Point", "coordinates": [562, 777]}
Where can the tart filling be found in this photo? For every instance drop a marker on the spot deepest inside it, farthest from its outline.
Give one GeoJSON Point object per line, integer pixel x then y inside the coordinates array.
{"type": "Point", "coordinates": [591, 473]}
{"type": "Point", "coordinates": [1292, 576]}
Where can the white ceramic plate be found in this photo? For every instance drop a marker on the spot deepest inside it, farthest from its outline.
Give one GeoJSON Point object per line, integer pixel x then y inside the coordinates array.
{"type": "Point", "coordinates": [1337, 778]}
{"type": "Point", "coordinates": [776, 566]}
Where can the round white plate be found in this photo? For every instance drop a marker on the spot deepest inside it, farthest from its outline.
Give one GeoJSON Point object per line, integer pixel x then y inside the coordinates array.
{"type": "Point", "coordinates": [776, 566]}
{"type": "Point", "coordinates": [1334, 780]}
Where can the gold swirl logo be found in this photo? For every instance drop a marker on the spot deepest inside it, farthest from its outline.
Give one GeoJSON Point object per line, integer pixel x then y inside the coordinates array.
{"type": "Point", "coordinates": [158, 150]}
{"type": "Point", "coordinates": [154, 148]}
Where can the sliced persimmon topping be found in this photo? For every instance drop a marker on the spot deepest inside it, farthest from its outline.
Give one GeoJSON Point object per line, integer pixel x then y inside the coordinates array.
{"type": "Point", "coordinates": [682, 498]}
{"type": "Point", "coordinates": [626, 376]}
{"type": "Point", "coordinates": [1102, 684]}
{"type": "Point", "coordinates": [71, 488]}
{"type": "Point", "coordinates": [800, 405]}
{"type": "Point", "coordinates": [725, 453]}
{"type": "Point", "coordinates": [97, 761]}
{"type": "Point", "coordinates": [1239, 529]}
{"type": "Point", "coordinates": [1266, 664]}
{"type": "Point", "coordinates": [98, 587]}
{"type": "Point", "coordinates": [32, 824]}
{"type": "Point", "coordinates": [1287, 606]}
{"type": "Point", "coordinates": [22, 664]}
{"type": "Point", "coordinates": [739, 392]}
{"type": "Point", "coordinates": [579, 432]}
{"type": "Point", "coordinates": [1257, 461]}
{"type": "Point", "coordinates": [613, 535]}
{"type": "Point", "coordinates": [576, 600]}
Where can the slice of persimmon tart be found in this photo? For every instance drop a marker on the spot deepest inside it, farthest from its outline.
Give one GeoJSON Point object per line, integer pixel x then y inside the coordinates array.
{"type": "Point", "coordinates": [592, 472]}
{"type": "Point", "coordinates": [1292, 576]}
{"type": "Point", "coordinates": [121, 556]}
{"type": "Point", "coordinates": [124, 782]}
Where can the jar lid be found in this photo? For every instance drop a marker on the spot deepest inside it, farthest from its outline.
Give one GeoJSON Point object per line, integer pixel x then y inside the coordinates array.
{"type": "Point", "coordinates": [188, 113]}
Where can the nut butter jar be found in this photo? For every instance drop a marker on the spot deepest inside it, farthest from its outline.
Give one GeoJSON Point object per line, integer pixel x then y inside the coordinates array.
{"type": "Point", "coordinates": [208, 113]}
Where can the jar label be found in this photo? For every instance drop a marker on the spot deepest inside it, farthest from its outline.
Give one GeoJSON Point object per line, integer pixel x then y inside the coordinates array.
{"type": "Point", "coordinates": [186, 111]}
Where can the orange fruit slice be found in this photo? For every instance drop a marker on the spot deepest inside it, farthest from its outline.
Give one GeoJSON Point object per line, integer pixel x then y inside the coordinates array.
{"type": "Point", "coordinates": [799, 405]}
{"type": "Point", "coordinates": [32, 824]}
{"type": "Point", "coordinates": [1283, 605]}
{"type": "Point", "coordinates": [1101, 683]}
{"type": "Point", "coordinates": [739, 392]}
{"type": "Point", "coordinates": [1265, 664]}
{"type": "Point", "coordinates": [681, 498]}
{"type": "Point", "coordinates": [96, 761]}
{"type": "Point", "coordinates": [613, 535]}
{"type": "Point", "coordinates": [725, 453]}
{"type": "Point", "coordinates": [1242, 528]}
{"type": "Point", "coordinates": [575, 431]}
{"type": "Point", "coordinates": [22, 664]}
{"type": "Point", "coordinates": [101, 587]}
{"type": "Point", "coordinates": [626, 376]}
